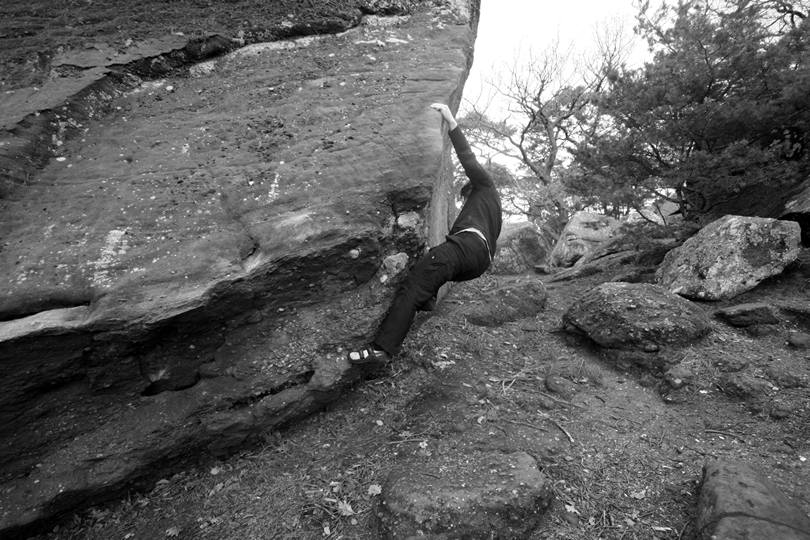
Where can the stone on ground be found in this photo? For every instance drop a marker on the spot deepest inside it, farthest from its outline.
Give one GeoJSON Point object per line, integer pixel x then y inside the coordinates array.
{"type": "Point", "coordinates": [486, 495]}
{"type": "Point", "coordinates": [583, 233]}
{"type": "Point", "coordinates": [736, 502]}
{"type": "Point", "coordinates": [638, 316]}
{"type": "Point", "coordinates": [799, 340]}
{"type": "Point", "coordinates": [521, 247]}
{"type": "Point", "coordinates": [729, 257]}
{"type": "Point", "coordinates": [748, 314]}
{"type": "Point", "coordinates": [514, 301]}
{"type": "Point", "coordinates": [637, 321]}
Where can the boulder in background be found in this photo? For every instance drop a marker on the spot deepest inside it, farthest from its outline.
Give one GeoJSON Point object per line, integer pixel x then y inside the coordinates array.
{"type": "Point", "coordinates": [730, 256]}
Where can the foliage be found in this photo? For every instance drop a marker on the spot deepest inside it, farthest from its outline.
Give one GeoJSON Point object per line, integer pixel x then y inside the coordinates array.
{"type": "Point", "coordinates": [551, 112]}
{"type": "Point", "coordinates": [720, 110]}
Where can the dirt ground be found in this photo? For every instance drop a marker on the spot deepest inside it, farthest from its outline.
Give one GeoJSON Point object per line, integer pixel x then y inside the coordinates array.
{"type": "Point", "coordinates": [623, 449]}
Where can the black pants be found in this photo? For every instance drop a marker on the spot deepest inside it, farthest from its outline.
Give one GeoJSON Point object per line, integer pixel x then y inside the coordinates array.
{"type": "Point", "coordinates": [462, 257]}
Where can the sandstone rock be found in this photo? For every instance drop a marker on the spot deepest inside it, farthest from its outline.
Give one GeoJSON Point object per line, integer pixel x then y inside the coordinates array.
{"type": "Point", "coordinates": [730, 256]}
{"type": "Point", "coordinates": [678, 376]}
{"type": "Point", "coordinates": [748, 314]}
{"type": "Point", "coordinates": [799, 340]}
{"type": "Point", "coordinates": [488, 495]}
{"type": "Point", "coordinates": [521, 247]}
{"type": "Point", "coordinates": [273, 184]}
{"type": "Point", "coordinates": [745, 385]}
{"type": "Point", "coordinates": [636, 316]}
{"type": "Point", "coordinates": [783, 374]}
{"type": "Point", "coordinates": [510, 302]}
{"type": "Point", "coordinates": [583, 233]}
{"type": "Point", "coordinates": [738, 502]}
{"type": "Point", "coordinates": [561, 386]}
{"type": "Point", "coordinates": [780, 409]}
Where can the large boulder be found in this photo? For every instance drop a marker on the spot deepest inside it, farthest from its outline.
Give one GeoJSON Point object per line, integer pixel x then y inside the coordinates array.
{"type": "Point", "coordinates": [738, 502]}
{"type": "Point", "coordinates": [730, 256]}
{"type": "Point", "coordinates": [177, 286]}
{"type": "Point", "coordinates": [521, 247]}
{"type": "Point", "coordinates": [583, 233]}
{"type": "Point", "coordinates": [481, 495]}
{"type": "Point", "coordinates": [639, 318]}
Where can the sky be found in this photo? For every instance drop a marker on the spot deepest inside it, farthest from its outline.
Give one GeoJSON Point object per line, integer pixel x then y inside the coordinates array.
{"type": "Point", "coordinates": [511, 28]}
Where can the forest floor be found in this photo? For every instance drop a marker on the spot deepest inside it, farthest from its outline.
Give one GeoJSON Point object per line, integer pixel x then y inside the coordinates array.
{"type": "Point", "coordinates": [624, 451]}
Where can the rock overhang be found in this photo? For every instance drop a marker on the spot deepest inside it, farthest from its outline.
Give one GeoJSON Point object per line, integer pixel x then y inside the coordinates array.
{"type": "Point", "coordinates": [252, 224]}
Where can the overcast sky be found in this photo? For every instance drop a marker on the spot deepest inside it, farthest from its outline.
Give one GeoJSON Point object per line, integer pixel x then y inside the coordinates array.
{"type": "Point", "coordinates": [509, 28]}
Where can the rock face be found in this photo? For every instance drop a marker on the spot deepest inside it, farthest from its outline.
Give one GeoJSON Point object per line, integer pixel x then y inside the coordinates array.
{"type": "Point", "coordinates": [177, 279]}
{"type": "Point", "coordinates": [519, 300]}
{"type": "Point", "coordinates": [582, 234]}
{"type": "Point", "coordinates": [521, 247]}
{"type": "Point", "coordinates": [737, 502]}
{"type": "Point", "coordinates": [489, 495]}
{"type": "Point", "coordinates": [730, 256]}
{"type": "Point", "coordinates": [636, 317]}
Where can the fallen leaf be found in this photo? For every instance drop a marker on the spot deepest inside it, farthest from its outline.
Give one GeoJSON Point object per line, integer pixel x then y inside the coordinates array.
{"type": "Point", "coordinates": [172, 532]}
{"type": "Point", "coordinates": [638, 494]}
{"type": "Point", "coordinates": [571, 509]}
{"type": "Point", "coordinates": [374, 489]}
{"type": "Point", "coordinates": [345, 509]}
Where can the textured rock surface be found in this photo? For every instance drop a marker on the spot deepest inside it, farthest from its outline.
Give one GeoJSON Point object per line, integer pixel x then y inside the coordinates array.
{"type": "Point", "coordinates": [730, 256]}
{"type": "Point", "coordinates": [636, 316]}
{"type": "Point", "coordinates": [797, 208]}
{"type": "Point", "coordinates": [511, 302]}
{"type": "Point", "coordinates": [748, 314]}
{"type": "Point", "coordinates": [639, 323]}
{"type": "Point", "coordinates": [487, 495]}
{"type": "Point", "coordinates": [583, 233]}
{"type": "Point", "coordinates": [212, 236]}
{"type": "Point", "coordinates": [521, 247]}
{"type": "Point", "coordinates": [737, 502]}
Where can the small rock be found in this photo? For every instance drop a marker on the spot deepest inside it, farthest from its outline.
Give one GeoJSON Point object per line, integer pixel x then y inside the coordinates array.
{"type": "Point", "coordinates": [780, 409]}
{"type": "Point", "coordinates": [486, 495]}
{"type": "Point", "coordinates": [799, 340]}
{"type": "Point", "coordinates": [561, 386]}
{"type": "Point", "coordinates": [679, 376]}
{"type": "Point", "coordinates": [783, 376]}
{"type": "Point", "coordinates": [730, 364]}
{"type": "Point", "coordinates": [748, 314]}
{"type": "Point", "coordinates": [744, 385]}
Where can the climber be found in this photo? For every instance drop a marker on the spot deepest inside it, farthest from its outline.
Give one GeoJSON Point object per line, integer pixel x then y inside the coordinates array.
{"type": "Point", "coordinates": [466, 253]}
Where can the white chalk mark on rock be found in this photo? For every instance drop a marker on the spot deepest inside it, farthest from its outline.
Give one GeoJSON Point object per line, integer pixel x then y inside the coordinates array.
{"type": "Point", "coordinates": [114, 245]}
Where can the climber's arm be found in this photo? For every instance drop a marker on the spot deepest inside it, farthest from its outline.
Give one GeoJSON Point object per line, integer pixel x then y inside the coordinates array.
{"type": "Point", "coordinates": [474, 171]}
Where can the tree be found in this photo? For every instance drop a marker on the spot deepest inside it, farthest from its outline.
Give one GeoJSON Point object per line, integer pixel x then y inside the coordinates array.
{"type": "Point", "coordinates": [718, 118]}
{"type": "Point", "coordinates": [552, 109]}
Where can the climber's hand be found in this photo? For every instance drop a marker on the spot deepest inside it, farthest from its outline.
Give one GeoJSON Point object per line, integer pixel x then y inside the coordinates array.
{"type": "Point", "coordinates": [444, 110]}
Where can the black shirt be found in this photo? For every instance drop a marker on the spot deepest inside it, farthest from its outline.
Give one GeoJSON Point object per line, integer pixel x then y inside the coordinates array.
{"type": "Point", "coordinates": [482, 209]}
